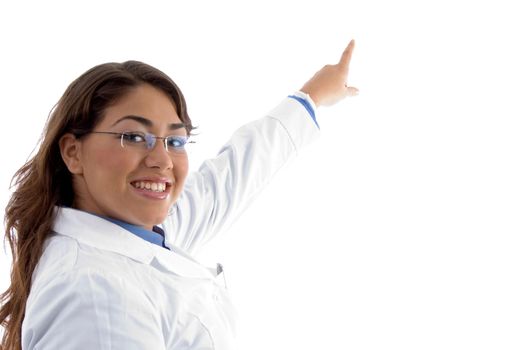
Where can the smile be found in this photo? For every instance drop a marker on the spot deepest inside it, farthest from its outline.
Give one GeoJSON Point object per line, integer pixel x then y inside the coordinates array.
{"type": "Point", "coordinates": [150, 186]}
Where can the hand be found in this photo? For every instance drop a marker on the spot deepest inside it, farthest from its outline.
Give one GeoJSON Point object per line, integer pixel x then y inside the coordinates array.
{"type": "Point", "coordinates": [329, 84]}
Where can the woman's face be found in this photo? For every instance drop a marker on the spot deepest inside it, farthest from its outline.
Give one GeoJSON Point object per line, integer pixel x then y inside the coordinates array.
{"type": "Point", "coordinates": [127, 183]}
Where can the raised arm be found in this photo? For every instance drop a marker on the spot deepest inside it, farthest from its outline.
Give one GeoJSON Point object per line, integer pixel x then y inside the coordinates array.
{"type": "Point", "coordinates": [225, 185]}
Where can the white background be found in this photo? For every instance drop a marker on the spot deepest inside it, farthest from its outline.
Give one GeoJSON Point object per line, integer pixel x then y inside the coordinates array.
{"type": "Point", "coordinates": [402, 228]}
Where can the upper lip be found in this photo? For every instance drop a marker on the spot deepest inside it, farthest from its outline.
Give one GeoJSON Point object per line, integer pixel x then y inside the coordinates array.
{"type": "Point", "coordinates": [157, 179]}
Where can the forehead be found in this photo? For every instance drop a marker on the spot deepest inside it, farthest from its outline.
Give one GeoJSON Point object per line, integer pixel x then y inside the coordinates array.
{"type": "Point", "coordinates": [146, 101]}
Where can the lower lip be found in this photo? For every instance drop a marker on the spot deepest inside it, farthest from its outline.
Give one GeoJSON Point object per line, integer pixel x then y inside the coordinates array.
{"type": "Point", "coordinates": [151, 194]}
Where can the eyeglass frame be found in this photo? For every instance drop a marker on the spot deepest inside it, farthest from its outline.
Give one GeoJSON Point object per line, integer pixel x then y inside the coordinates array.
{"type": "Point", "coordinates": [150, 139]}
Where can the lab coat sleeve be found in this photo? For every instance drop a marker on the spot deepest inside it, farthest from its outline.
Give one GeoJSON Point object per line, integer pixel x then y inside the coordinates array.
{"type": "Point", "coordinates": [90, 310]}
{"type": "Point", "coordinates": [224, 186]}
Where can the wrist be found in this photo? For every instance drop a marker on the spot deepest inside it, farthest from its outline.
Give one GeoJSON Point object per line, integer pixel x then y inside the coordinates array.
{"type": "Point", "coordinates": [309, 97]}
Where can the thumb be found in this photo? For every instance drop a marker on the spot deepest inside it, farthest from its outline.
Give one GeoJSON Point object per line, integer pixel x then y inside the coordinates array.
{"type": "Point", "coordinates": [352, 91]}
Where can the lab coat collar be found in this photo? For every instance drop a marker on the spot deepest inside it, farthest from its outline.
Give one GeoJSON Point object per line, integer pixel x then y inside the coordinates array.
{"type": "Point", "coordinates": [102, 234]}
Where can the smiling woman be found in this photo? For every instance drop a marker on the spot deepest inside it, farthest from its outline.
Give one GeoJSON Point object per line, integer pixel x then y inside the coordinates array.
{"type": "Point", "coordinates": [103, 223]}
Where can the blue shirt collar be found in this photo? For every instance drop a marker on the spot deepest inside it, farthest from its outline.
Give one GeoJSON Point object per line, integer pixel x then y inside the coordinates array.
{"type": "Point", "coordinates": [156, 236]}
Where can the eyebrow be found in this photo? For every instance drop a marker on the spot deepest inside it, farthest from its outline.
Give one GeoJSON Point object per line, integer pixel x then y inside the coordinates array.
{"type": "Point", "coordinates": [148, 122]}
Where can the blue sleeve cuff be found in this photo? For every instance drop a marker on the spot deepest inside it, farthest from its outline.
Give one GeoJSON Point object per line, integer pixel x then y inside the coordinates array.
{"type": "Point", "coordinates": [307, 106]}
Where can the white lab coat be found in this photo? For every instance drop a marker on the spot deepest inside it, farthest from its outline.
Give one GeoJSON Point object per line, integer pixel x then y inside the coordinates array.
{"type": "Point", "coordinates": [97, 286]}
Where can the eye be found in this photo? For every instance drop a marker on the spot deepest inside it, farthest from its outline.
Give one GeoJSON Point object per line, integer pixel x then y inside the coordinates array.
{"type": "Point", "coordinates": [133, 137]}
{"type": "Point", "coordinates": [176, 142]}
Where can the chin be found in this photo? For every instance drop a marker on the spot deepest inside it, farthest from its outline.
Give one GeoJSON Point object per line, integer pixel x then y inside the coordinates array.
{"type": "Point", "coordinates": [157, 218]}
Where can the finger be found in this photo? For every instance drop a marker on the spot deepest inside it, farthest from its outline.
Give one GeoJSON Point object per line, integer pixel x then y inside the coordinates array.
{"type": "Point", "coordinates": [352, 91]}
{"type": "Point", "coordinates": [346, 55]}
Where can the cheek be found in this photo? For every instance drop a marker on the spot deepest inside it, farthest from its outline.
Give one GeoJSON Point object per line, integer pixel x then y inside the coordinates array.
{"type": "Point", "coordinates": [180, 171]}
{"type": "Point", "coordinates": [181, 167]}
{"type": "Point", "coordinates": [108, 169]}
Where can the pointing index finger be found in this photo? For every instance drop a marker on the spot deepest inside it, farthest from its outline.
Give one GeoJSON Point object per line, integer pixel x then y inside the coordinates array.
{"type": "Point", "coordinates": [346, 55]}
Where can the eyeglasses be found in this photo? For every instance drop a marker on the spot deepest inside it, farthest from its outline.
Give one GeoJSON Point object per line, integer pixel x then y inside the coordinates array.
{"type": "Point", "coordinates": [138, 139]}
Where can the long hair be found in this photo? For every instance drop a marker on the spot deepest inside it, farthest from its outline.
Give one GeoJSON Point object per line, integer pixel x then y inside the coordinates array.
{"type": "Point", "coordinates": [45, 182]}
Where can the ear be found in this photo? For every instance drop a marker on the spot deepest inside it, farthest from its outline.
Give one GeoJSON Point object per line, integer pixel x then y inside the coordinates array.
{"type": "Point", "coordinates": [70, 148]}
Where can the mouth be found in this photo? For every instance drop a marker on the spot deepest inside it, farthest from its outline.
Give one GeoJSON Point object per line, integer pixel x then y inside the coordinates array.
{"type": "Point", "coordinates": [152, 186]}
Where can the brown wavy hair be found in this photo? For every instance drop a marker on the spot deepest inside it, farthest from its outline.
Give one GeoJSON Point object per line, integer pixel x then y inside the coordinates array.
{"type": "Point", "coordinates": [44, 181]}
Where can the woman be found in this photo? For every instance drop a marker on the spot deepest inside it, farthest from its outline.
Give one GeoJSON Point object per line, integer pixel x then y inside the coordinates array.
{"type": "Point", "coordinates": [104, 222]}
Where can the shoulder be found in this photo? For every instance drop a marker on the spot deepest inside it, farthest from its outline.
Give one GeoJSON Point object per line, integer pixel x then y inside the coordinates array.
{"type": "Point", "coordinates": [65, 260]}
{"type": "Point", "coordinates": [59, 254]}
{"type": "Point", "coordinates": [69, 280]}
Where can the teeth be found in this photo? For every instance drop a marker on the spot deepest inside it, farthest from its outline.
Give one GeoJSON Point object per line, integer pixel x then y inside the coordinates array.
{"type": "Point", "coordinates": [151, 186]}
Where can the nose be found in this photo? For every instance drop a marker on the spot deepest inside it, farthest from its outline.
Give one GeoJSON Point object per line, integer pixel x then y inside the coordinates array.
{"type": "Point", "coordinates": [158, 157]}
